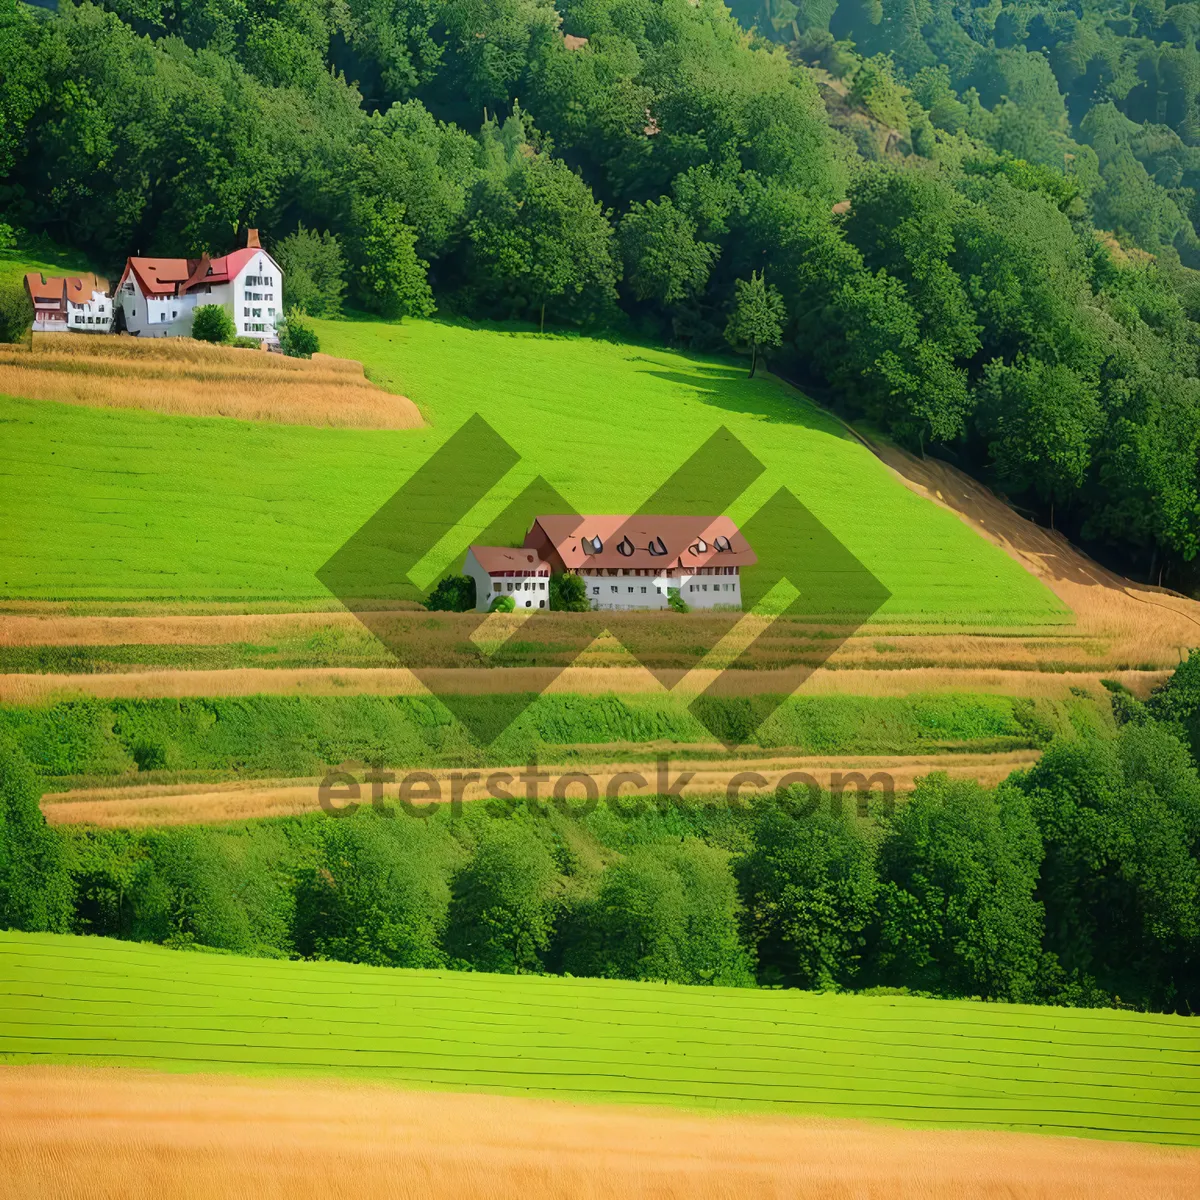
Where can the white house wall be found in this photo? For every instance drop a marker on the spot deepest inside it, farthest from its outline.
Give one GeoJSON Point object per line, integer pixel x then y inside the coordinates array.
{"type": "Point", "coordinates": [93, 316]}
{"type": "Point", "coordinates": [257, 306]}
{"type": "Point", "coordinates": [645, 591]}
{"type": "Point", "coordinates": [170, 316]}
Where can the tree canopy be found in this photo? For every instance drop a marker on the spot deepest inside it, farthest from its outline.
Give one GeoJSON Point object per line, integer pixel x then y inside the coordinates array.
{"type": "Point", "coordinates": [976, 229]}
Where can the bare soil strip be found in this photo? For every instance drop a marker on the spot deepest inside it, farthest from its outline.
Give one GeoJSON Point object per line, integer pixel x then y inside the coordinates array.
{"type": "Point", "coordinates": [1104, 603]}
{"type": "Point", "coordinates": [399, 681]}
{"type": "Point", "coordinates": [78, 1132]}
{"type": "Point", "coordinates": [185, 804]}
{"type": "Point", "coordinates": [181, 376]}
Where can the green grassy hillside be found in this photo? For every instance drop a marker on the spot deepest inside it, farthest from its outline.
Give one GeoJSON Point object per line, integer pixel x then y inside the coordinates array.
{"type": "Point", "coordinates": [960, 1064]}
{"type": "Point", "coordinates": [103, 503]}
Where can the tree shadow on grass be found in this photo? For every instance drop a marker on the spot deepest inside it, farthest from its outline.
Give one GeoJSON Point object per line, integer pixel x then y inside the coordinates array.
{"type": "Point", "coordinates": [768, 398]}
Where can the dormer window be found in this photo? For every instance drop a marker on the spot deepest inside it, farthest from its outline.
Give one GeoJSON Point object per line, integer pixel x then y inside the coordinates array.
{"type": "Point", "coordinates": [592, 545]}
{"type": "Point", "coordinates": [699, 546]}
{"type": "Point", "coordinates": [625, 547]}
{"type": "Point", "coordinates": [657, 547]}
{"type": "Point", "coordinates": [722, 544]}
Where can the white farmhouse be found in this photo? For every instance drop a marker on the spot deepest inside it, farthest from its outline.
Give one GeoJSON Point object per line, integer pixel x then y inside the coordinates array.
{"type": "Point", "coordinates": [69, 304]}
{"type": "Point", "coordinates": [158, 296]}
{"type": "Point", "coordinates": [625, 562]}
{"type": "Point", "coordinates": [503, 571]}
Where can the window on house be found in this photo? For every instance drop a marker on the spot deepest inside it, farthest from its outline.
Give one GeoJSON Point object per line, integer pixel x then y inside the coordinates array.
{"type": "Point", "coordinates": [595, 591]}
{"type": "Point", "coordinates": [174, 313]}
{"type": "Point", "coordinates": [643, 591]}
{"type": "Point", "coordinates": [245, 312]}
{"type": "Point", "coordinates": [258, 312]}
{"type": "Point", "coordinates": [658, 590]}
{"type": "Point", "coordinates": [614, 589]}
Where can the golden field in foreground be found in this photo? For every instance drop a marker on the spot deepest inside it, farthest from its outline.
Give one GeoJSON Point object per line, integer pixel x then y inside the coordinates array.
{"type": "Point", "coordinates": [97, 1133]}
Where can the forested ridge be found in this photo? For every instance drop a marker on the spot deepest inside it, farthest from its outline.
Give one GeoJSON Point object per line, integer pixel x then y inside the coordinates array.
{"type": "Point", "coordinates": [973, 227]}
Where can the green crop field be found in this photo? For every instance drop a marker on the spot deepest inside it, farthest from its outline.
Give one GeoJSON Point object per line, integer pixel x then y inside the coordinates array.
{"type": "Point", "coordinates": [114, 504]}
{"type": "Point", "coordinates": [958, 1064]}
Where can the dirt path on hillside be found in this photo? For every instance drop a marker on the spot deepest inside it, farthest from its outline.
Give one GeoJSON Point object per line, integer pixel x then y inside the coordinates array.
{"type": "Point", "coordinates": [382, 681]}
{"type": "Point", "coordinates": [94, 1133]}
{"type": "Point", "coordinates": [181, 804]}
{"type": "Point", "coordinates": [1105, 604]}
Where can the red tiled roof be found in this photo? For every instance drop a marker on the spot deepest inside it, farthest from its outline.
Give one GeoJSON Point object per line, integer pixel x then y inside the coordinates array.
{"type": "Point", "coordinates": [45, 291]}
{"type": "Point", "coordinates": [81, 287]}
{"type": "Point", "coordinates": [55, 289]}
{"type": "Point", "coordinates": [681, 537]}
{"type": "Point", "coordinates": [160, 276]}
{"type": "Point", "coordinates": [223, 269]}
{"type": "Point", "coordinates": [497, 559]}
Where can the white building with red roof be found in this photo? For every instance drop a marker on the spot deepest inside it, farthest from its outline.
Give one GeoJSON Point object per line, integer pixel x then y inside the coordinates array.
{"type": "Point", "coordinates": [625, 562]}
{"type": "Point", "coordinates": [69, 303]}
{"type": "Point", "coordinates": [158, 296]}
{"type": "Point", "coordinates": [505, 571]}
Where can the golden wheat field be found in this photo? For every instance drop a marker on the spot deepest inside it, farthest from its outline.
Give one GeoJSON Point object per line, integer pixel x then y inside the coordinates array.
{"type": "Point", "coordinates": [190, 378]}
{"type": "Point", "coordinates": [185, 804]}
{"type": "Point", "coordinates": [400, 681]}
{"type": "Point", "coordinates": [96, 1134]}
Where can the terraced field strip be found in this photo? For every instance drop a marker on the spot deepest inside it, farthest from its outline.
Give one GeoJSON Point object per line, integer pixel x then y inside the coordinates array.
{"type": "Point", "coordinates": [179, 804]}
{"type": "Point", "coordinates": [399, 681]}
{"type": "Point", "coordinates": [960, 1064]}
{"type": "Point", "coordinates": [178, 375]}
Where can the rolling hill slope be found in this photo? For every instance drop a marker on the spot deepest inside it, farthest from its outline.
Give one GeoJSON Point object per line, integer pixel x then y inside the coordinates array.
{"type": "Point", "coordinates": [108, 504]}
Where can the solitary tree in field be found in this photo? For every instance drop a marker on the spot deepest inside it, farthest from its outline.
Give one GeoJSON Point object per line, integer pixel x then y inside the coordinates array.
{"type": "Point", "coordinates": [757, 318]}
{"type": "Point", "coordinates": [213, 324]}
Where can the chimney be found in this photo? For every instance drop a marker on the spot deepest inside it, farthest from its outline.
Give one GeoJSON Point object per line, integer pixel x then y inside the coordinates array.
{"type": "Point", "coordinates": [252, 242]}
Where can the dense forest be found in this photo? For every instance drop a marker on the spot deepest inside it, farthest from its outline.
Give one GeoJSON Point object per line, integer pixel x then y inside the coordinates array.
{"type": "Point", "coordinates": [1075, 882]}
{"type": "Point", "coordinates": [972, 228]}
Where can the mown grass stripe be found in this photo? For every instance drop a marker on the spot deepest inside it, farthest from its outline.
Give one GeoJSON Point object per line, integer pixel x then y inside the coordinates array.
{"type": "Point", "coordinates": [957, 1063]}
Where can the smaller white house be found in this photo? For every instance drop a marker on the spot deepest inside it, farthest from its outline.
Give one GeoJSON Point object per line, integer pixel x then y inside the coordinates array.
{"type": "Point", "coordinates": [503, 571]}
{"type": "Point", "coordinates": [158, 296]}
{"type": "Point", "coordinates": [69, 304]}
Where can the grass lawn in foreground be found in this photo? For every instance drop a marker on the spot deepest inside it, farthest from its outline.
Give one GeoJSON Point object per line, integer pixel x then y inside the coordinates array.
{"type": "Point", "coordinates": [959, 1064]}
{"type": "Point", "coordinates": [105, 503]}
